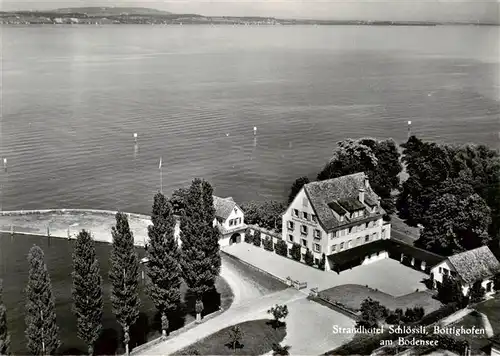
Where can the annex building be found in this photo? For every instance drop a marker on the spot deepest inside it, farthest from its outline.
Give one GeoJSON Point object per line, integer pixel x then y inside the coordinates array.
{"type": "Point", "coordinates": [474, 266]}
{"type": "Point", "coordinates": [340, 218]}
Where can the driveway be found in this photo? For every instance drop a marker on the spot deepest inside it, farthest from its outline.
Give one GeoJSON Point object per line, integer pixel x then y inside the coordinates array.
{"type": "Point", "coordinates": [387, 275]}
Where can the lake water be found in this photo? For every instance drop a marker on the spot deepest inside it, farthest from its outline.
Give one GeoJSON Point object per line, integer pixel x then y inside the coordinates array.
{"type": "Point", "coordinates": [72, 97]}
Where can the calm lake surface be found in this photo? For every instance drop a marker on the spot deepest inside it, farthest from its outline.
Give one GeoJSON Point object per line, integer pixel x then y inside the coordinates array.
{"type": "Point", "coordinates": [72, 97]}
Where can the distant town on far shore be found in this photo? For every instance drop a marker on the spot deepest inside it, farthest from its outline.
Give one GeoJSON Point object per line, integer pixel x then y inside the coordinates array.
{"type": "Point", "coordinates": [147, 16]}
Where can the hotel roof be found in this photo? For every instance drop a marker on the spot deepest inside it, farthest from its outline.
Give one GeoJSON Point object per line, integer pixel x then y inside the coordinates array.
{"type": "Point", "coordinates": [340, 194]}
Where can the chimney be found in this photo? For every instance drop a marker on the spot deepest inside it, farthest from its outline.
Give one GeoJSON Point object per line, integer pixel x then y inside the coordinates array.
{"type": "Point", "coordinates": [366, 182]}
{"type": "Point", "coordinates": [378, 201]}
{"type": "Point", "coordinates": [362, 195]}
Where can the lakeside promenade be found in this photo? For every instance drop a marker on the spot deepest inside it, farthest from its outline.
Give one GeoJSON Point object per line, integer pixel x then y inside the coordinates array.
{"type": "Point", "coordinates": [67, 223]}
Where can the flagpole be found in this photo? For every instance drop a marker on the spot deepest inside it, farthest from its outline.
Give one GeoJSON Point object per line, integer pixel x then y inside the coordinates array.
{"type": "Point", "coordinates": [161, 175]}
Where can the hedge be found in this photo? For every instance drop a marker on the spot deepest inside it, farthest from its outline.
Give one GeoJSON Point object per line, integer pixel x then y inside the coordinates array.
{"type": "Point", "coordinates": [281, 248]}
{"type": "Point", "coordinates": [268, 244]}
{"type": "Point", "coordinates": [256, 238]}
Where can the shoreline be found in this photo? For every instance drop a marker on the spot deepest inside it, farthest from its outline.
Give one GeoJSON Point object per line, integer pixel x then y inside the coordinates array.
{"type": "Point", "coordinates": [67, 223]}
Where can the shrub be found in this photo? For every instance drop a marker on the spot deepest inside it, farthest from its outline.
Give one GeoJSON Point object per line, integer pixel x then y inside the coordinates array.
{"type": "Point", "coordinates": [450, 291]}
{"type": "Point", "coordinates": [248, 237]}
{"type": "Point", "coordinates": [295, 252]}
{"type": "Point", "coordinates": [476, 293]}
{"type": "Point", "coordinates": [281, 248]}
{"type": "Point", "coordinates": [278, 312]}
{"type": "Point", "coordinates": [371, 313]}
{"type": "Point", "coordinates": [322, 262]}
{"type": "Point", "coordinates": [256, 238]}
{"type": "Point", "coordinates": [309, 258]}
{"type": "Point", "coordinates": [268, 243]}
{"type": "Point", "coordinates": [439, 314]}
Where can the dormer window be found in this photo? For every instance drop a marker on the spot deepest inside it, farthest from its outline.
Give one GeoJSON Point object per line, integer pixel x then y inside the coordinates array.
{"type": "Point", "coordinates": [235, 210]}
{"type": "Point", "coordinates": [341, 217]}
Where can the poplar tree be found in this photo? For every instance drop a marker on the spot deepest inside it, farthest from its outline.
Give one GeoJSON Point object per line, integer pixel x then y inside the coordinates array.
{"type": "Point", "coordinates": [200, 258]}
{"type": "Point", "coordinates": [87, 290]}
{"type": "Point", "coordinates": [163, 267]}
{"type": "Point", "coordinates": [124, 277]}
{"type": "Point", "coordinates": [4, 332]}
{"type": "Point", "coordinates": [41, 328]}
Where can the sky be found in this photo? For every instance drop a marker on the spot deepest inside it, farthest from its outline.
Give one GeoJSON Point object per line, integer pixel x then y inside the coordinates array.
{"type": "Point", "coordinates": [392, 10]}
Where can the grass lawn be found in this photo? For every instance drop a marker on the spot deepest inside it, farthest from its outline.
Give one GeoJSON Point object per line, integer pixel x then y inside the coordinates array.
{"type": "Point", "coordinates": [491, 308]}
{"type": "Point", "coordinates": [401, 226]}
{"type": "Point", "coordinates": [258, 336]}
{"type": "Point", "coordinates": [478, 343]}
{"type": "Point", "coordinates": [352, 295]}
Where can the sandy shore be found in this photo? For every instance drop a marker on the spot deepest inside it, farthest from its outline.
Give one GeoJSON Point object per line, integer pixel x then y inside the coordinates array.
{"type": "Point", "coordinates": [68, 222]}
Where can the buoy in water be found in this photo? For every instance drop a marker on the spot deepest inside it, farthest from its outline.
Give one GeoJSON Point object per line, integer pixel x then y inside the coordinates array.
{"type": "Point", "coordinates": [5, 163]}
{"type": "Point", "coordinates": [255, 130]}
{"type": "Point", "coordinates": [135, 137]}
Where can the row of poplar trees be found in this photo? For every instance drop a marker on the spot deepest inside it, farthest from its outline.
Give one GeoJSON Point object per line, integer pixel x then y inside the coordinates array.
{"type": "Point", "coordinates": [197, 262]}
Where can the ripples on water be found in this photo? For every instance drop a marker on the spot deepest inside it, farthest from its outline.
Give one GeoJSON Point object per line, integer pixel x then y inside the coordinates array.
{"type": "Point", "coordinates": [73, 97]}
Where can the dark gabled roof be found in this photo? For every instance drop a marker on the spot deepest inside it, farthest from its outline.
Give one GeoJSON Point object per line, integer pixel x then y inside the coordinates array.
{"type": "Point", "coordinates": [337, 208]}
{"type": "Point", "coordinates": [223, 207]}
{"type": "Point", "coordinates": [322, 193]}
{"type": "Point", "coordinates": [351, 204]}
{"type": "Point", "coordinates": [475, 265]}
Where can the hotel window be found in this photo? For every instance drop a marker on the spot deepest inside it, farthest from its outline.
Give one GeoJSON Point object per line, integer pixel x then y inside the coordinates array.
{"type": "Point", "coordinates": [231, 222]}
{"type": "Point", "coordinates": [317, 248]}
{"type": "Point", "coordinates": [314, 218]}
{"type": "Point", "coordinates": [334, 248]}
{"type": "Point", "coordinates": [344, 232]}
{"type": "Point", "coordinates": [317, 234]}
{"type": "Point", "coordinates": [358, 241]}
{"type": "Point", "coordinates": [367, 225]}
{"type": "Point", "coordinates": [296, 212]}
{"type": "Point", "coordinates": [351, 229]}
{"type": "Point", "coordinates": [290, 238]}
{"type": "Point", "coordinates": [440, 270]}
{"type": "Point", "coordinates": [367, 238]}
{"type": "Point", "coordinates": [306, 215]}
{"type": "Point", "coordinates": [291, 225]}
{"type": "Point", "coordinates": [374, 236]}
{"type": "Point", "coordinates": [303, 229]}
{"type": "Point", "coordinates": [349, 244]}
{"type": "Point", "coordinates": [305, 202]}
{"type": "Point", "coordinates": [341, 246]}
{"type": "Point", "coordinates": [304, 242]}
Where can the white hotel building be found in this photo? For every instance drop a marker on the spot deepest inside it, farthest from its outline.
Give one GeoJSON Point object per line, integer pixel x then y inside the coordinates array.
{"type": "Point", "coordinates": [335, 216]}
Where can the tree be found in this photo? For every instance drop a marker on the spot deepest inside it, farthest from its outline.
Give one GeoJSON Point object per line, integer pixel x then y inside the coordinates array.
{"type": "Point", "coordinates": [281, 248]}
{"type": "Point", "coordinates": [279, 313]}
{"type": "Point", "coordinates": [200, 258]}
{"type": "Point", "coordinates": [296, 187]}
{"type": "Point", "coordinates": [41, 327]}
{"type": "Point", "coordinates": [87, 290]}
{"type": "Point", "coordinates": [163, 268]}
{"type": "Point", "coordinates": [453, 224]}
{"type": "Point", "coordinates": [268, 243]}
{"type": "Point", "coordinates": [309, 258]}
{"type": "Point", "coordinates": [295, 252]}
{"type": "Point", "coordinates": [450, 291]}
{"type": "Point", "coordinates": [256, 238]}
{"type": "Point", "coordinates": [4, 332]}
{"type": "Point", "coordinates": [378, 159]}
{"type": "Point", "coordinates": [235, 336]}
{"type": "Point", "coordinates": [281, 350]}
{"type": "Point", "coordinates": [371, 313]}
{"type": "Point", "coordinates": [178, 200]}
{"type": "Point", "coordinates": [322, 262]}
{"type": "Point", "coordinates": [266, 214]}
{"type": "Point", "coordinates": [124, 277]}
{"type": "Point", "coordinates": [248, 237]}
{"type": "Point", "coordinates": [476, 293]}
{"type": "Point", "coordinates": [438, 169]}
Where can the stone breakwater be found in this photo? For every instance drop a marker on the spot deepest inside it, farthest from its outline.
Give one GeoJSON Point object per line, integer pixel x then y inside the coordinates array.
{"type": "Point", "coordinates": [67, 223]}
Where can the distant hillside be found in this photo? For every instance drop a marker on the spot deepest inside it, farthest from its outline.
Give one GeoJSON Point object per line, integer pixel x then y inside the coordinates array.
{"type": "Point", "coordinates": [110, 11]}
